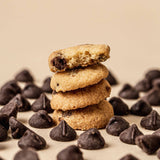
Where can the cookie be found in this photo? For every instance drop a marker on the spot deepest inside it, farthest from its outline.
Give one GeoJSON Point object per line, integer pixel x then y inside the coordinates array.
{"type": "Point", "coordinates": [78, 78]}
{"type": "Point", "coordinates": [81, 55]}
{"type": "Point", "coordinates": [82, 97]}
{"type": "Point", "coordinates": [95, 116]}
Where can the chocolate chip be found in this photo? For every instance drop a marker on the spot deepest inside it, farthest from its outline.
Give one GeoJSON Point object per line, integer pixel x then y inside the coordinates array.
{"type": "Point", "coordinates": [1, 158]}
{"type": "Point", "coordinates": [143, 85]}
{"type": "Point", "coordinates": [129, 157]}
{"type": "Point", "coordinates": [70, 153]}
{"type": "Point", "coordinates": [119, 107]}
{"type": "Point", "coordinates": [46, 85]}
{"type": "Point", "coordinates": [157, 132]}
{"type": "Point", "coordinates": [17, 128]}
{"type": "Point", "coordinates": [141, 108]}
{"type": "Point", "coordinates": [4, 121]}
{"type": "Point", "coordinates": [148, 143]}
{"type": "Point", "coordinates": [128, 92]}
{"type": "Point", "coordinates": [158, 153]}
{"type": "Point", "coordinates": [26, 154]}
{"type": "Point", "coordinates": [59, 62]}
{"type": "Point", "coordinates": [116, 125]}
{"type": "Point", "coordinates": [111, 79]}
{"type": "Point", "coordinates": [5, 97]}
{"type": "Point", "coordinates": [129, 135]}
{"type": "Point", "coordinates": [3, 133]}
{"type": "Point", "coordinates": [24, 76]}
{"type": "Point", "coordinates": [152, 121]}
{"type": "Point", "coordinates": [153, 97]}
{"type": "Point", "coordinates": [156, 83]}
{"type": "Point", "coordinates": [10, 109]}
{"type": "Point", "coordinates": [31, 139]}
{"type": "Point", "coordinates": [152, 74]}
{"type": "Point", "coordinates": [42, 103]}
{"type": "Point", "coordinates": [63, 132]}
{"type": "Point", "coordinates": [91, 139]}
{"type": "Point", "coordinates": [41, 119]}
{"type": "Point", "coordinates": [31, 91]}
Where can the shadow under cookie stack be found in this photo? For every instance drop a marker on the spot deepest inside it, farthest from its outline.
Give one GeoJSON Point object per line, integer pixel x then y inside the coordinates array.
{"type": "Point", "coordinates": [79, 86]}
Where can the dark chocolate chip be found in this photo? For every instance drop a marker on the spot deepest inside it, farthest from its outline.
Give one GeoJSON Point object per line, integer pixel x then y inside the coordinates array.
{"type": "Point", "coordinates": [129, 157]}
{"type": "Point", "coordinates": [156, 83]}
{"type": "Point", "coordinates": [10, 109]}
{"type": "Point", "coordinates": [63, 132]}
{"type": "Point", "coordinates": [41, 119]}
{"type": "Point", "coordinates": [3, 133]}
{"type": "Point", "coordinates": [111, 79]}
{"type": "Point", "coordinates": [59, 62]}
{"type": "Point", "coordinates": [119, 107]}
{"type": "Point", "coordinates": [157, 132]}
{"type": "Point", "coordinates": [151, 122]}
{"type": "Point", "coordinates": [24, 76]}
{"type": "Point", "coordinates": [148, 143]}
{"type": "Point", "coordinates": [152, 74]}
{"type": "Point", "coordinates": [31, 91]}
{"type": "Point", "coordinates": [70, 153]}
{"type": "Point", "coordinates": [116, 125]}
{"type": "Point", "coordinates": [5, 97]}
{"type": "Point", "coordinates": [1, 158]}
{"type": "Point", "coordinates": [46, 85]}
{"type": "Point", "coordinates": [153, 97]}
{"type": "Point", "coordinates": [141, 108]}
{"type": "Point", "coordinates": [143, 85]}
{"type": "Point", "coordinates": [128, 92]}
{"type": "Point", "coordinates": [4, 121]}
{"type": "Point", "coordinates": [42, 103]}
{"type": "Point", "coordinates": [129, 135]}
{"type": "Point", "coordinates": [158, 153]}
{"type": "Point", "coordinates": [17, 128]}
{"type": "Point", "coordinates": [91, 139]}
{"type": "Point", "coordinates": [33, 140]}
{"type": "Point", "coordinates": [26, 154]}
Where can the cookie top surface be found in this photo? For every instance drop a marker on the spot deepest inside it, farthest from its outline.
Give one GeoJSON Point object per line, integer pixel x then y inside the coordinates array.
{"type": "Point", "coordinates": [78, 78]}
{"type": "Point", "coordinates": [81, 55]}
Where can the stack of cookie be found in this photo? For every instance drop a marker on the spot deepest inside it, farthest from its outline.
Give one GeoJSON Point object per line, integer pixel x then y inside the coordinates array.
{"type": "Point", "coordinates": [79, 86]}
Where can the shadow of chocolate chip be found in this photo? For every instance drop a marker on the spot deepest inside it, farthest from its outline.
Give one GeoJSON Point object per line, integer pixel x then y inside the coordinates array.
{"type": "Point", "coordinates": [129, 157]}
{"type": "Point", "coordinates": [70, 153]}
{"type": "Point", "coordinates": [111, 79]}
{"type": "Point", "coordinates": [46, 85]}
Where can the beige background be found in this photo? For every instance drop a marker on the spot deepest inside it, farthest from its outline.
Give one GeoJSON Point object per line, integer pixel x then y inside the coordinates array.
{"type": "Point", "coordinates": [31, 29]}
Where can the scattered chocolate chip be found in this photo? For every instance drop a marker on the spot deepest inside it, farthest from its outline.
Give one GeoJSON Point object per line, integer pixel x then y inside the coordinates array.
{"type": "Point", "coordinates": [63, 132]}
{"type": "Point", "coordinates": [129, 135]}
{"type": "Point", "coordinates": [129, 157]}
{"type": "Point", "coordinates": [128, 92]}
{"type": "Point", "coordinates": [91, 139]}
{"type": "Point", "coordinates": [3, 133]}
{"type": "Point", "coordinates": [4, 121]}
{"type": "Point", "coordinates": [148, 143]}
{"type": "Point", "coordinates": [156, 83]}
{"type": "Point", "coordinates": [157, 132]}
{"type": "Point", "coordinates": [41, 119]}
{"type": "Point", "coordinates": [111, 79]}
{"type": "Point", "coordinates": [152, 74]}
{"type": "Point", "coordinates": [24, 76]}
{"type": "Point", "coordinates": [59, 62]}
{"type": "Point", "coordinates": [31, 91]}
{"type": "Point", "coordinates": [5, 97]}
{"type": "Point", "coordinates": [153, 97]}
{"type": "Point", "coordinates": [158, 153]}
{"type": "Point", "coordinates": [141, 108]}
{"type": "Point", "coordinates": [26, 154]}
{"type": "Point", "coordinates": [152, 121]}
{"type": "Point", "coordinates": [119, 107]}
{"type": "Point", "coordinates": [42, 103]}
{"type": "Point", "coordinates": [70, 153]}
{"type": "Point", "coordinates": [10, 109]}
{"type": "Point", "coordinates": [46, 85]}
{"type": "Point", "coordinates": [1, 158]}
{"type": "Point", "coordinates": [116, 125]}
{"type": "Point", "coordinates": [31, 139]}
{"type": "Point", "coordinates": [143, 85]}
{"type": "Point", "coordinates": [17, 128]}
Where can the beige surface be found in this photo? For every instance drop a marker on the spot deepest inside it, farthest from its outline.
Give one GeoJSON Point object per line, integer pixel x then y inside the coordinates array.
{"type": "Point", "coordinates": [31, 30]}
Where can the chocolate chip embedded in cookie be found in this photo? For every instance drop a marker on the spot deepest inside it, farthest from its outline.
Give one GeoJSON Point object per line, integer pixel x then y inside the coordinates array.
{"type": "Point", "coordinates": [82, 97]}
{"type": "Point", "coordinates": [78, 78]}
{"type": "Point", "coordinates": [95, 116]}
{"type": "Point", "coordinates": [81, 55]}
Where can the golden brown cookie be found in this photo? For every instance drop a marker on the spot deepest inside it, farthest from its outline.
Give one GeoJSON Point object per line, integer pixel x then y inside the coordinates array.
{"type": "Point", "coordinates": [81, 55]}
{"type": "Point", "coordinates": [95, 116]}
{"type": "Point", "coordinates": [82, 97]}
{"type": "Point", "coordinates": [78, 78]}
